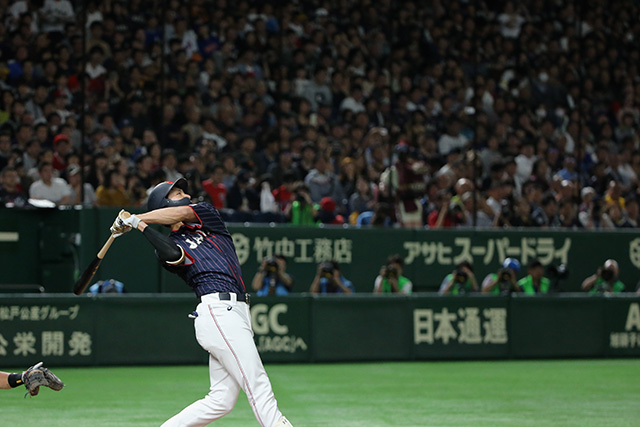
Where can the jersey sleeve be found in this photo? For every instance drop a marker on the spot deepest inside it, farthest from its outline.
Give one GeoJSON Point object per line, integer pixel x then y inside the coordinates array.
{"type": "Point", "coordinates": [209, 218]}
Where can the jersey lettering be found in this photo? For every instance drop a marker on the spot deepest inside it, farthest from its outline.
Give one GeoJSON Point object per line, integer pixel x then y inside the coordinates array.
{"type": "Point", "coordinates": [198, 237]}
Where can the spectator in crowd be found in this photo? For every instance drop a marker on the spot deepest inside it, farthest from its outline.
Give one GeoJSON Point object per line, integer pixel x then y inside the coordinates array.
{"type": "Point", "coordinates": [546, 215]}
{"type": "Point", "coordinates": [283, 194]}
{"type": "Point", "coordinates": [243, 196]}
{"type": "Point", "coordinates": [326, 212]}
{"type": "Point", "coordinates": [272, 278]}
{"type": "Point", "coordinates": [613, 195]}
{"type": "Point", "coordinates": [632, 213]}
{"type": "Point", "coordinates": [363, 199]}
{"type": "Point", "coordinates": [322, 182]}
{"type": "Point", "coordinates": [446, 213]}
{"type": "Point", "coordinates": [535, 282]}
{"type": "Point", "coordinates": [391, 279]}
{"type": "Point", "coordinates": [477, 213]}
{"type": "Point", "coordinates": [322, 87]}
{"type": "Point", "coordinates": [460, 281]}
{"type": "Point", "coordinates": [504, 281]}
{"type": "Point", "coordinates": [74, 176]}
{"type": "Point", "coordinates": [518, 216]}
{"type": "Point", "coordinates": [330, 280]}
{"type": "Point", "coordinates": [452, 139]}
{"type": "Point", "coordinates": [214, 187]}
{"type": "Point", "coordinates": [605, 280]}
{"type": "Point", "coordinates": [407, 182]}
{"type": "Point", "coordinates": [11, 194]}
{"type": "Point", "coordinates": [317, 92]}
{"type": "Point", "coordinates": [50, 188]}
{"type": "Point", "coordinates": [5, 148]}
{"type": "Point", "coordinates": [61, 149]}
{"type": "Point", "coordinates": [302, 210]}
{"type": "Point", "coordinates": [169, 164]}
{"type": "Point", "coordinates": [113, 192]}
{"type": "Point", "coordinates": [31, 152]}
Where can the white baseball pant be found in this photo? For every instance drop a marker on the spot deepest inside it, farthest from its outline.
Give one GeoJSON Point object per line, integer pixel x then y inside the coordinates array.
{"type": "Point", "coordinates": [223, 328]}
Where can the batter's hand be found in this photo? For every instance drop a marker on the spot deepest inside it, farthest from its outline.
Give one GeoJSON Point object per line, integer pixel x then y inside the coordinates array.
{"type": "Point", "coordinates": [125, 219]}
{"type": "Point", "coordinates": [118, 229]}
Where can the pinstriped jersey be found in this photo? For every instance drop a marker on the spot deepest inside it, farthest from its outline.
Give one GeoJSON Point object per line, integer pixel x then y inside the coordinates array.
{"type": "Point", "coordinates": [210, 264]}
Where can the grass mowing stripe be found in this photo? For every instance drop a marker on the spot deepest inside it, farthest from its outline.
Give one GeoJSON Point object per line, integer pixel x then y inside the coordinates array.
{"type": "Point", "coordinates": [496, 393]}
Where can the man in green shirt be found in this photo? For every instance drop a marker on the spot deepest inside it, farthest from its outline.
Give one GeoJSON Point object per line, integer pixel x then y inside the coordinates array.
{"type": "Point", "coordinates": [535, 282]}
{"type": "Point", "coordinates": [461, 281]}
{"type": "Point", "coordinates": [605, 281]}
{"type": "Point", "coordinates": [391, 280]}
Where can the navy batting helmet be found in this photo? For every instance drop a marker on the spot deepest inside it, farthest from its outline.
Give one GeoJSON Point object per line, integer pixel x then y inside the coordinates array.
{"type": "Point", "coordinates": [158, 197]}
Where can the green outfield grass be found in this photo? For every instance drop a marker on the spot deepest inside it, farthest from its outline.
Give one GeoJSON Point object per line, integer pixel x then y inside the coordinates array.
{"type": "Point", "coordinates": [511, 393]}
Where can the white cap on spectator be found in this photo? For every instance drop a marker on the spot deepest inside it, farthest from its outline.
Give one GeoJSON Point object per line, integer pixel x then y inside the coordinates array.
{"type": "Point", "coordinates": [587, 190]}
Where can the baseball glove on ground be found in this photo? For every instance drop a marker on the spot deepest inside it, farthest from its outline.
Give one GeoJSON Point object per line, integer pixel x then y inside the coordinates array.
{"type": "Point", "coordinates": [36, 376]}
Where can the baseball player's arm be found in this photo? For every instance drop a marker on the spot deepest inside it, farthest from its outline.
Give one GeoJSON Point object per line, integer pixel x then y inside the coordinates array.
{"type": "Point", "coordinates": [167, 250]}
{"type": "Point", "coordinates": [8, 380]}
{"type": "Point", "coordinates": [166, 216]}
{"type": "Point", "coordinates": [4, 380]}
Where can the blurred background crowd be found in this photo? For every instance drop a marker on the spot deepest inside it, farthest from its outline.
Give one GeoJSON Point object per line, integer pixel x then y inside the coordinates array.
{"type": "Point", "coordinates": [371, 113]}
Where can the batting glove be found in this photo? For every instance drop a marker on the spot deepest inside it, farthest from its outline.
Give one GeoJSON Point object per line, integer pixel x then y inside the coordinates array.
{"type": "Point", "coordinates": [127, 220]}
{"type": "Point", "coordinates": [118, 229]}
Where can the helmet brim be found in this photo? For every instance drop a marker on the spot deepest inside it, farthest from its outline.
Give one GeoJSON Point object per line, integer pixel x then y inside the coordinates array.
{"type": "Point", "coordinates": [181, 183]}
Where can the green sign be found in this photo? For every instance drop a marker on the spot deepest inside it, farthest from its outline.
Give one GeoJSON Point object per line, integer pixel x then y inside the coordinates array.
{"type": "Point", "coordinates": [622, 326]}
{"type": "Point", "coordinates": [281, 328]}
{"type": "Point", "coordinates": [460, 327]}
{"type": "Point", "coordinates": [156, 329]}
{"type": "Point", "coordinates": [59, 330]}
{"type": "Point", "coordinates": [62, 243]}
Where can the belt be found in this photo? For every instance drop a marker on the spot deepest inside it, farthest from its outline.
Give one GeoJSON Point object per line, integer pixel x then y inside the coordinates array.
{"type": "Point", "coordinates": [226, 296]}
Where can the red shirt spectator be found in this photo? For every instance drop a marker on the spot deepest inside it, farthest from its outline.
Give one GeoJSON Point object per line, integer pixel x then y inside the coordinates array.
{"type": "Point", "coordinates": [214, 186]}
{"type": "Point", "coordinates": [61, 147]}
{"type": "Point", "coordinates": [283, 196]}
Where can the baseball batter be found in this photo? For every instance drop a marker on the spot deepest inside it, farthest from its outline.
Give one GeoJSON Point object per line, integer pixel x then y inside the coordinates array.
{"type": "Point", "coordinates": [200, 250]}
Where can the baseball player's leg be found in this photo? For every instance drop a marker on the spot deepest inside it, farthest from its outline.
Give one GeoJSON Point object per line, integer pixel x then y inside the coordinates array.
{"type": "Point", "coordinates": [219, 402]}
{"type": "Point", "coordinates": [231, 341]}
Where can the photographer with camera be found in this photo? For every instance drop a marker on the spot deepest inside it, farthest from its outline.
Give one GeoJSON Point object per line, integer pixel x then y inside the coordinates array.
{"type": "Point", "coordinates": [504, 281]}
{"type": "Point", "coordinates": [329, 280]}
{"type": "Point", "coordinates": [535, 282]}
{"type": "Point", "coordinates": [272, 277]}
{"type": "Point", "coordinates": [605, 281]}
{"type": "Point", "coordinates": [461, 281]}
{"type": "Point", "coordinates": [391, 280]}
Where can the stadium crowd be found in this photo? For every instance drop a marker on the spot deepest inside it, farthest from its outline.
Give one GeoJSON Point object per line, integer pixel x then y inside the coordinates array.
{"type": "Point", "coordinates": [417, 113]}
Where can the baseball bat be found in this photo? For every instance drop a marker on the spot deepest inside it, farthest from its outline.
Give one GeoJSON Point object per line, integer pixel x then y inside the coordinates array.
{"type": "Point", "coordinates": [83, 281]}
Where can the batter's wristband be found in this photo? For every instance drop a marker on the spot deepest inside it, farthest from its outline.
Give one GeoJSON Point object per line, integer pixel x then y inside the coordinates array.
{"type": "Point", "coordinates": [15, 380]}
